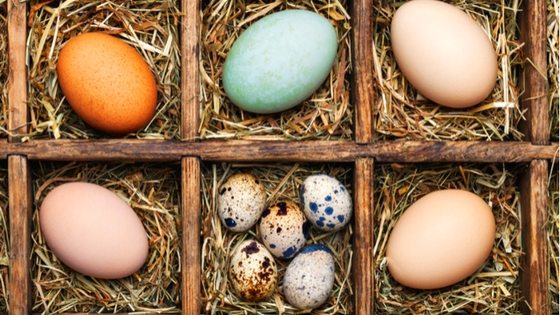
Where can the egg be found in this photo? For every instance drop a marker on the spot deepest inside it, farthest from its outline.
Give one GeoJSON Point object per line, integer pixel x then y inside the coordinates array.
{"type": "Point", "coordinates": [443, 53]}
{"type": "Point", "coordinates": [107, 83]}
{"type": "Point", "coordinates": [284, 229]}
{"type": "Point", "coordinates": [252, 271]}
{"type": "Point", "coordinates": [441, 239]}
{"type": "Point", "coordinates": [93, 231]}
{"type": "Point", "coordinates": [325, 202]}
{"type": "Point", "coordinates": [279, 61]}
{"type": "Point", "coordinates": [309, 278]}
{"type": "Point", "coordinates": [241, 201]}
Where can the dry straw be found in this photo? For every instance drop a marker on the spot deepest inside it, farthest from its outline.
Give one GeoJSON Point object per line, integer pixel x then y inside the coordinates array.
{"type": "Point", "coordinates": [4, 240]}
{"type": "Point", "coordinates": [149, 26]}
{"type": "Point", "coordinates": [402, 113]}
{"type": "Point", "coordinates": [554, 238]}
{"type": "Point", "coordinates": [3, 70]}
{"type": "Point", "coordinates": [281, 182]}
{"type": "Point", "coordinates": [495, 288]}
{"type": "Point", "coordinates": [327, 114]}
{"type": "Point", "coordinates": [553, 54]}
{"type": "Point", "coordinates": [153, 192]}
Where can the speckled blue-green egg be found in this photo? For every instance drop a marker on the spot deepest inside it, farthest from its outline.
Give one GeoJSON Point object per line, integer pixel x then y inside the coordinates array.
{"type": "Point", "coordinates": [326, 203]}
{"type": "Point", "coordinates": [279, 61]}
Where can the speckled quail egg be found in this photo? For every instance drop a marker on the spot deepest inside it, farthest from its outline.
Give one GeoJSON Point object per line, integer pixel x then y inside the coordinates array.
{"type": "Point", "coordinates": [309, 278]}
{"type": "Point", "coordinates": [252, 271]}
{"type": "Point", "coordinates": [241, 201]}
{"type": "Point", "coordinates": [325, 202]}
{"type": "Point", "coordinates": [284, 229]}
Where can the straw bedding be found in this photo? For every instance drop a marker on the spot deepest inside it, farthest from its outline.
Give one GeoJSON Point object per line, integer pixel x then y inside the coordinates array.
{"type": "Point", "coordinates": [553, 54]}
{"type": "Point", "coordinates": [149, 26]}
{"type": "Point", "coordinates": [281, 182]}
{"type": "Point", "coordinates": [401, 113]}
{"type": "Point", "coordinates": [554, 238]}
{"type": "Point", "coordinates": [495, 288]}
{"type": "Point", "coordinates": [153, 192]}
{"type": "Point", "coordinates": [3, 70]}
{"type": "Point", "coordinates": [4, 239]}
{"type": "Point", "coordinates": [327, 114]}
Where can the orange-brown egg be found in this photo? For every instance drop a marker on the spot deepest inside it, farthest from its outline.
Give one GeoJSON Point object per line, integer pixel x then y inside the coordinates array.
{"type": "Point", "coordinates": [107, 83]}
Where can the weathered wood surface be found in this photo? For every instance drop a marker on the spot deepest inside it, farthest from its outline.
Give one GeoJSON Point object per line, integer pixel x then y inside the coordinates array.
{"type": "Point", "coordinates": [20, 203]}
{"type": "Point", "coordinates": [17, 75]}
{"type": "Point", "coordinates": [362, 73]}
{"type": "Point", "coordinates": [363, 237]}
{"type": "Point", "coordinates": [534, 79]}
{"type": "Point", "coordinates": [191, 216]}
{"type": "Point", "coordinates": [297, 151]}
{"type": "Point", "coordinates": [534, 275]}
{"type": "Point", "coordinates": [190, 106]}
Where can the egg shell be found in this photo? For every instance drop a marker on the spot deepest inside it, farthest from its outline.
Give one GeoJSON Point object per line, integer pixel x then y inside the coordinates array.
{"type": "Point", "coordinates": [284, 229]}
{"type": "Point", "coordinates": [107, 83]}
{"type": "Point", "coordinates": [441, 239]}
{"type": "Point", "coordinates": [309, 278]}
{"type": "Point", "coordinates": [93, 231]}
{"type": "Point", "coordinates": [253, 271]}
{"type": "Point", "coordinates": [241, 201]}
{"type": "Point", "coordinates": [326, 202]}
{"type": "Point", "coordinates": [279, 61]}
{"type": "Point", "coordinates": [443, 53]}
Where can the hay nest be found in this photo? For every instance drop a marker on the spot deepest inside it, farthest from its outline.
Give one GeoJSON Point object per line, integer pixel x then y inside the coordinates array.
{"type": "Point", "coordinates": [400, 112]}
{"type": "Point", "coordinates": [281, 182]}
{"type": "Point", "coordinates": [553, 54]}
{"type": "Point", "coordinates": [495, 288]}
{"type": "Point", "coordinates": [153, 192]}
{"type": "Point", "coordinates": [3, 70]}
{"type": "Point", "coordinates": [327, 114]}
{"type": "Point", "coordinates": [4, 239]}
{"type": "Point", "coordinates": [149, 26]}
{"type": "Point", "coordinates": [554, 237]}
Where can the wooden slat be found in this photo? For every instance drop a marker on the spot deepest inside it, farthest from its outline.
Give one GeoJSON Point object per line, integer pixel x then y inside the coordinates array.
{"type": "Point", "coordinates": [19, 186]}
{"type": "Point", "coordinates": [363, 237]}
{"type": "Point", "coordinates": [362, 62]}
{"type": "Point", "coordinates": [296, 151]}
{"type": "Point", "coordinates": [190, 29]}
{"type": "Point", "coordinates": [535, 97]}
{"type": "Point", "coordinates": [190, 170]}
{"type": "Point", "coordinates": [534, 276]}
{"type": "Point", "coordinates": [17, 76]}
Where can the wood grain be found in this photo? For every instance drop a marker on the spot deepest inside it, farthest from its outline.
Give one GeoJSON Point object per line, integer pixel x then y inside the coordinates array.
{"type": "Point", "coordinates": [19, 186]}
{"type": "Point", "coordinates": [295, 151]}
{"type": "Point", "coordinates": [534, 277]}
{"type": "Point", "coordinates": [363, 237]}
{"type": "Point", "coordinates": [535, 84]}
{"type": "Point", "coordinates": [17, 75]}
{"type": "Point", "coordinates": [362, 73]}
{"type": "Point", "coordinates": [190, 106]}
{"type": "Point", "coordinates": [190, 179]}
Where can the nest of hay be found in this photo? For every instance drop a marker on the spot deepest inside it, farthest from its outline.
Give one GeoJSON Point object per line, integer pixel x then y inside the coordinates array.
{"type": "Point", "coordinates": [554, 237]}
{"type": "Point", "coordinates": [149, 26]}
{"type": "Point", "coordinates": [153, 191]}
{"type": "Point", "coordinates": [281, 182]}
{"type": "Point", "coordinates": [327, 114]}
{"type": "Point", "coordinates": [401, 112]}
{"type": "Point", "coordinates": [4, 239]}
{"type": "Point", "coordinates": [3, 69]}
{"type": "Point", "coordinates": [495, 288]}
{"type": "Point", "coordinates": [553, 52]}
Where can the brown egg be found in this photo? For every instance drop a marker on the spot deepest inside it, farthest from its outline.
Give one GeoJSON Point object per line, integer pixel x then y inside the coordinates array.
{"type": "Point", "coordinates": [107, 83]}
{"type": "Point", "coordinates": [441, 239]}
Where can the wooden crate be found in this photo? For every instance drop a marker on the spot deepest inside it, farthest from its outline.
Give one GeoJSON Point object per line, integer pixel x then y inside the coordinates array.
{"type": "Point", "coordinates": [362, 153]}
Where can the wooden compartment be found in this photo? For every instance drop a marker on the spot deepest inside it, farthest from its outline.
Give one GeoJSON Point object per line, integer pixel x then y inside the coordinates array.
{"type": "Point", "coordinates": [4, 238]}
{"type": "Point", "coordinates": [553, 228]}
{"type": "Point", "coordinates": [530, 156]}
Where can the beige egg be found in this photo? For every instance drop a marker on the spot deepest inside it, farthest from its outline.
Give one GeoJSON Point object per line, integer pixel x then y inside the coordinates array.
{"type": "Point", "coordinates": [93, 231]}
{"type": "Point", "coordinates": [441, 239]}
{"type": "Point", "coordinates": [443, 53]}
{"type": "Point", "coordinates": [241, 201]}
{"type": "Point", "coordinates": [252, 271]}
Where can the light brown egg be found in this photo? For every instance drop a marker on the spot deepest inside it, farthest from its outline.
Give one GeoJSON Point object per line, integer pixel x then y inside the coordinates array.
{"type": "Point", "coordinates": [91, 230]}
{"type": "Point", "coordinates": [441, 239]}
{"type": "Point", "coordinates": [107, 83]}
